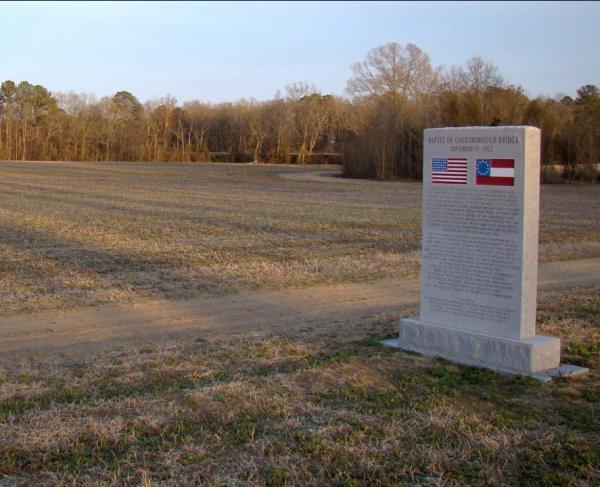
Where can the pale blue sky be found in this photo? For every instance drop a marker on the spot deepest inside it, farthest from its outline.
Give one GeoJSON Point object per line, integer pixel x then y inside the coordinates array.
{"type": "Point", "coordinates": [226, 51]}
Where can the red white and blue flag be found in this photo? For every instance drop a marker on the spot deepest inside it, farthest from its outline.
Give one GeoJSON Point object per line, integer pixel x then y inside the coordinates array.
{"type": "Point", "coordinates": [495, 172]}
{"type": "Point", "coordinates": [449, 170]}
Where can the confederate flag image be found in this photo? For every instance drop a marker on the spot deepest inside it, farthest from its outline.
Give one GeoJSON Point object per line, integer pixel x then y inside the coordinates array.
{"type": "Point", "coordinates": [495, 172]}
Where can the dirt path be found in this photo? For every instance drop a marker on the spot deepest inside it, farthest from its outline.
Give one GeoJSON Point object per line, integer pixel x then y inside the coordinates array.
{"type": "Point", "coordinates": [103, 327]}
{"type": "Point", "coordinates": [330, 176]}
{"type": "Point", "coordinates": [319, 177]}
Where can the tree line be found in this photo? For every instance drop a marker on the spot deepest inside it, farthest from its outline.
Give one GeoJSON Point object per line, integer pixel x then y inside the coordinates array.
{"type": "Point", "coordinates": [376, 130]}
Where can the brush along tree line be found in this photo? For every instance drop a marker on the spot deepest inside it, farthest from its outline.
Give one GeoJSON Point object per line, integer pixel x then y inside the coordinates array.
{"type": "Point", "coordinates": [376, 131]}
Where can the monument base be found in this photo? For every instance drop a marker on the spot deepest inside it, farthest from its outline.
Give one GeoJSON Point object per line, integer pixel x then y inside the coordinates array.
{"type": "Point", "coordinates": [537, 357]}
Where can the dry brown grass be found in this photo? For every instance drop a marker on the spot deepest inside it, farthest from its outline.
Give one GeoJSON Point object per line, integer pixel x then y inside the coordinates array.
{"type": "Point", "coordinates": [311, 406]}
{"type": "Point", "coordinates": [326, 406]}
{"type": "Point", "coordinates": [76, 234]}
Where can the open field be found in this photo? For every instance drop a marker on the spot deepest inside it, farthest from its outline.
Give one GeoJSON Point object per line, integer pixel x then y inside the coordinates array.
{"type": "Point", "coordinates": [75, 234]}
{"type": "Point", "coordinates": [288, 385]}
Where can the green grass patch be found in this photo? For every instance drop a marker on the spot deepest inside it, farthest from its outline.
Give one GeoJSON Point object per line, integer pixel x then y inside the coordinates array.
{"type": "Point", "coordinates": [311, 409]}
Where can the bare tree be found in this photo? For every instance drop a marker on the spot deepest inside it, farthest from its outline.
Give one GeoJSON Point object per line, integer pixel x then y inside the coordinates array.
{"type": "Point", "coordinates": [392, 69]}
{"type": "Point", "coordinates": [481, 75]}
{"type": "Point", "coordinates": [396, 93]}
{"type": "Point", "coordinates": [393, 76]}
{"type": "Point", "coordinates": [199, 126]}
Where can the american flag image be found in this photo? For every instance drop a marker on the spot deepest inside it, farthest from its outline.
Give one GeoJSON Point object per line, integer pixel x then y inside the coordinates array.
{"type": "Point", "coordinates": [449, 170]}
